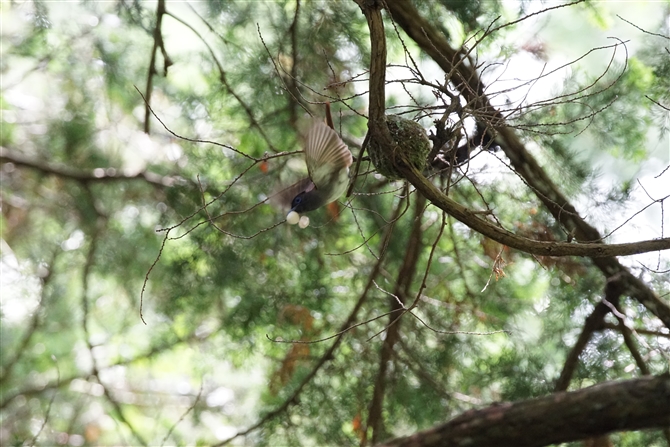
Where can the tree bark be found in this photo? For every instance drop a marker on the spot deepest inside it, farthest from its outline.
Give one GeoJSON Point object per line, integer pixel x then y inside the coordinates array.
{"type": "Point", "coordinates": [560, 417]}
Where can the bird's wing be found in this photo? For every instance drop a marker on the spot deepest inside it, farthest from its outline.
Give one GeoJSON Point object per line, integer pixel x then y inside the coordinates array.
{"type": "Point", "coordinates": [325, 154]}
{"type": "Point", "coordinates": [284, 197]}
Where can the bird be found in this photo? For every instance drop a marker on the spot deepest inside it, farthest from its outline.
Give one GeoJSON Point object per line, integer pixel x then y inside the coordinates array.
{"type": "Point", "coordinates": [328, 159]}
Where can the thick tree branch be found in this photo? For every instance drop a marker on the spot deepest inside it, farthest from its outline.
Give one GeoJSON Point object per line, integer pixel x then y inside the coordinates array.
{"type": "Point", "coordinates": [378, 130]}
{"type": "Point", "coordinates": [377, 117]}
{"type": "Point", "coordinates": [560, 417]}
{"type": "Point", "coordinates": [498, 234]}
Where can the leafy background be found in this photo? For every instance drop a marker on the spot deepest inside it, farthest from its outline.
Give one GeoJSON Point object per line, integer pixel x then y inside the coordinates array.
{"type": "Point", "coordinates": [81, 223]}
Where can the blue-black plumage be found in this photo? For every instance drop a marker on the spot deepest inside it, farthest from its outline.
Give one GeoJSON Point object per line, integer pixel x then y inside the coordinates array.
{"type": "Point", "coordinates": [328, 160]}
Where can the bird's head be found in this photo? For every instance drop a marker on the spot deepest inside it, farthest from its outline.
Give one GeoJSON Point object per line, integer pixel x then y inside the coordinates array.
{"type": "Point", "coordinates": [306, 201]}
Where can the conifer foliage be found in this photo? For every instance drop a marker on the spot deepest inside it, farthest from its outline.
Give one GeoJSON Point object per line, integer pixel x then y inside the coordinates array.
{"type": "Point", "coordinates": [496, 274]}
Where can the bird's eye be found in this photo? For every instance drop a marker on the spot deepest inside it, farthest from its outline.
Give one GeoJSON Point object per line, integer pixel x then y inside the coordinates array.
{"type": "Point", "coordinates": [296, 203]}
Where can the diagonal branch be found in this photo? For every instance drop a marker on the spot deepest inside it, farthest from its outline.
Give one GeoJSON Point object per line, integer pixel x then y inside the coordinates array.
{"type": "Point", "coordinates": [560, 417]}
{"type": "Point", "coordinates": [593, 323]}
{"type": "Point", "coordinates": [223, 77]}
{"type": "Point", "coordinates": [541, 248]}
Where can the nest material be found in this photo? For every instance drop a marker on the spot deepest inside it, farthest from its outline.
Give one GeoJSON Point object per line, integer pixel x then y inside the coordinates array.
{"type": "Point", "coordinates": [413, 147]}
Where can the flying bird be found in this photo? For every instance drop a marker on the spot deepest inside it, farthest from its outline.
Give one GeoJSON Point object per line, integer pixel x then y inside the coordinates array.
{"type": "Point", "coordinates": [328, 160]}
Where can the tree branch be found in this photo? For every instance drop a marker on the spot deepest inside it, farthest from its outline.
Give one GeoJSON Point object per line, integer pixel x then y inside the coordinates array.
{"type": "Point", "coordinates": [223, 77]}
{"type": "Point", "coordinates": [593, 323]}
{"type": "Point", "coordinates": [158, 43]}
{"type": "Point", "coordinates": [539, 248]}
{"type": "Point", "coordinates": [560, 417]}
{"type": "Point", "coordinates": [396, 304]}
{"type": "Point", "coordinates": [640, 331]}
{"type": "Point", "coordinates": [99, 175]}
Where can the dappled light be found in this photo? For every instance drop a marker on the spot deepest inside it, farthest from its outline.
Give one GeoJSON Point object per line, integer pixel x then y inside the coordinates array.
{"type": "Point", "coordinates": [328, 223]}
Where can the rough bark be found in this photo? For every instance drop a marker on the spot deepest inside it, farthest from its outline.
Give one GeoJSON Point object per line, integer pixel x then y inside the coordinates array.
{"type": "Point", "coordinates": [560, 417]}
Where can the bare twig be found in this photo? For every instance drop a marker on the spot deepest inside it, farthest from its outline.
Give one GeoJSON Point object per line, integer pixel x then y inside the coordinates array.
{"type": "Point", "coordinates": [51, 401]}
{"type": "Point", "coordinates": [188, 410]}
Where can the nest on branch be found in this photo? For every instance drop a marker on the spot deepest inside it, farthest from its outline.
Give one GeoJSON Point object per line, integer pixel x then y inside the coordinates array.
{"type": "Point", "coordinates": [412, 147]}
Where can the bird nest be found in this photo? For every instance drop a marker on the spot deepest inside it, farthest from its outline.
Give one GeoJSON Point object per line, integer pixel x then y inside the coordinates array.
{"type": "Point", "coordinates": [412, 147]}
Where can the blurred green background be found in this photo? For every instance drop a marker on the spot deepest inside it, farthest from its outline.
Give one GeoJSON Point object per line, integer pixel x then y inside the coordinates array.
{"type": "Point", "coordinates": [87, 196]}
